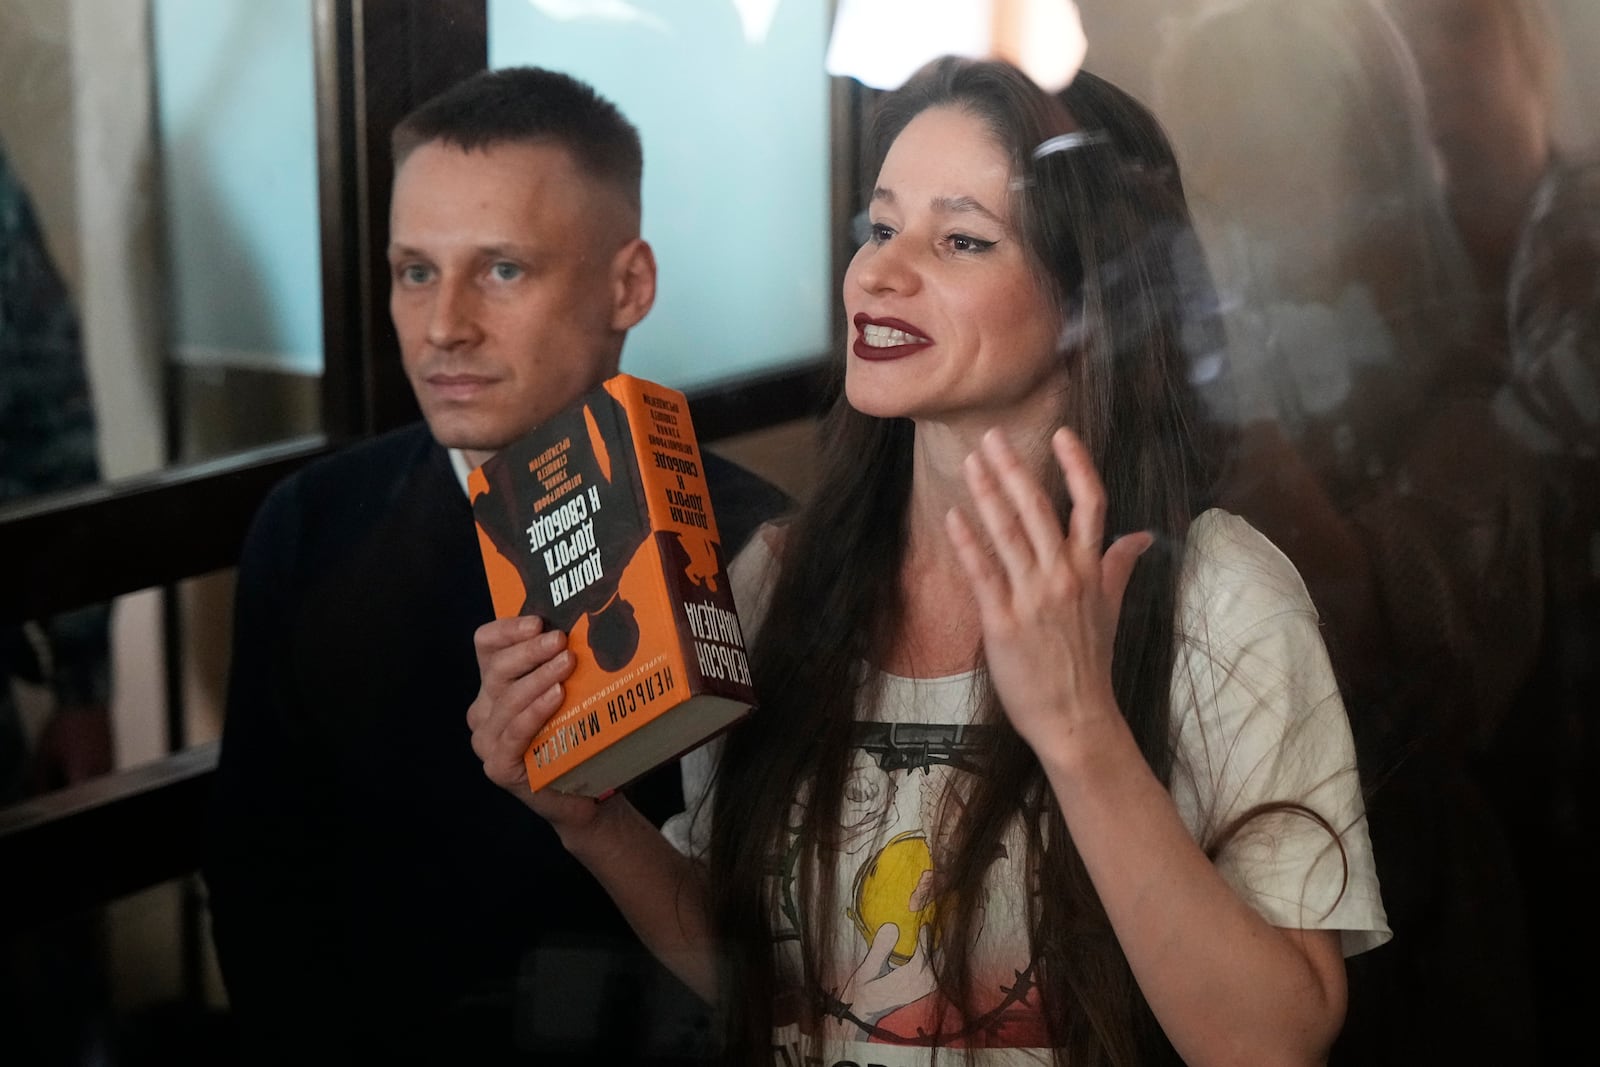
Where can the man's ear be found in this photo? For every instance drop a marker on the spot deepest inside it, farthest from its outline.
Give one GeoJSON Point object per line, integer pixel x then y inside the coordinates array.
{"type": "Point", "coordinates": [633, 284]}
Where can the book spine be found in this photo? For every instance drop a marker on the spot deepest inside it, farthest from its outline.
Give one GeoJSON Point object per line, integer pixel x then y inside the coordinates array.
{"type": "Point", "coordinates": [672, 477]}
{"type": "Point", "coordinates": [675, 489]}
{"type": "Point", "coordinates": [630, 412]}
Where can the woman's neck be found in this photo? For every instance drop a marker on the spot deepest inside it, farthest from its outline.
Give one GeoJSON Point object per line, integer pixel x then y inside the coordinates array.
{"type": "Point", "coordinates": [939, 632]}
{"type": "Point", "coordinates": [938, 477]}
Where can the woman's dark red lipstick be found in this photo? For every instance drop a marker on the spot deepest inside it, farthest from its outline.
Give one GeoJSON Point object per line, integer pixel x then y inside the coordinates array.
{"type": "Point", "coordinates": [893, 338]}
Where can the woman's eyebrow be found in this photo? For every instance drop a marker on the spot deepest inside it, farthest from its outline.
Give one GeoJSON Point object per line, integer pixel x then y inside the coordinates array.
{"type": "Point", "coordinates": [964, 205]}
{"type": "Point", "coordinates": [944, 205]}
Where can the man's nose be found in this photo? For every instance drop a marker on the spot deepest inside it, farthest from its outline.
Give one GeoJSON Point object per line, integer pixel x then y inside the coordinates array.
{"type": "Point", "coordinates": [453, 320]}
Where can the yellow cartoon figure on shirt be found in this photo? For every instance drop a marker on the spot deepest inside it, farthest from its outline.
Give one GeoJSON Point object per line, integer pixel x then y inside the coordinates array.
{"type": "Point", "coordinates": [892, 887]}
{"type": "Point", "coordinates": [893, 908]}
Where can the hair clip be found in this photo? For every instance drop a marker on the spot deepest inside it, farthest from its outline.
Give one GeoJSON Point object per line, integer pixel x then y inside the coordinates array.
{"type": "Point", "coordinates": [1068, 142]}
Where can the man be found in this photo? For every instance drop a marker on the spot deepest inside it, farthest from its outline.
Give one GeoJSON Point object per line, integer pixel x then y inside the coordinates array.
{"type": "Point", "coordinates": [374, 896]}
{"type": "Point", "coordinates": [48, 442]}
{"type": "Point", "coordinates": [51, 983]}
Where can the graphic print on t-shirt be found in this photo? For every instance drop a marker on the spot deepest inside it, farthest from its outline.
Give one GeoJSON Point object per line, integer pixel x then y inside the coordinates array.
{"type": "Point", "coordinates": [886, 934]}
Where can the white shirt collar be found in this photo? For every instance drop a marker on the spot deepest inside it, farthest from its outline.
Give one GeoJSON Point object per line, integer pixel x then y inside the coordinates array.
{"type": "Point", "coordinates": [462, 466]}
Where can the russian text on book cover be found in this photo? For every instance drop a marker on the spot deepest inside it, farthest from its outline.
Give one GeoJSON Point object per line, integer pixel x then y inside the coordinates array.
{"type": "Point", "coordinates": [600, 522]}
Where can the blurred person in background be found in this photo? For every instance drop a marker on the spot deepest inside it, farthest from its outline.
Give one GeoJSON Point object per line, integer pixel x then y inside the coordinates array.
{"type": "Point", "coordinates": [53, 993]}
{"type": "Point", "coordinates": [48, 443]}
{"type": "Point", "coordinates": [1530, 214]}
{"type": "Point", "coordinates": [1371, 452]}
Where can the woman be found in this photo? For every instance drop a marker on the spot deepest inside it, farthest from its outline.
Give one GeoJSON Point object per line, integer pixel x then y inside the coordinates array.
{"type": "Point", "coordinates": [967, 812]}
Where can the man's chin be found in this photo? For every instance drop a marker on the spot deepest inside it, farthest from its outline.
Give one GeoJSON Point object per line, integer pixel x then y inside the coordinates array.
{"type": "Point", "coordinates": [469, 439]}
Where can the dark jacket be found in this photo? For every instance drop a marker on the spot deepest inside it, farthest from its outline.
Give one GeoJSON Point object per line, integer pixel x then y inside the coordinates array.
{"type": "Point", "coordinates": [374, 895]}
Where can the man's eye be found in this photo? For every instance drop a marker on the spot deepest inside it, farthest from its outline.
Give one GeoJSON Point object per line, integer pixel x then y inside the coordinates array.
{"type": "Point", "coordinates": [415, 274]}
{"type": "Point", "coordinates": [506, 272]}
{"type": "Point", "coordinates": [878, 233]}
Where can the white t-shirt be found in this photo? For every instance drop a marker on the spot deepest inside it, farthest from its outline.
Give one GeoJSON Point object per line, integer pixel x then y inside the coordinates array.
{"type": "Point", "coordinates": [1256, 718]}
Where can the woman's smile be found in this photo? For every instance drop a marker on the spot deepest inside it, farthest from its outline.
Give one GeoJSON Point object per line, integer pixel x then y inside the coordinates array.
{"type": "Point", "coordinates": [882, 339]}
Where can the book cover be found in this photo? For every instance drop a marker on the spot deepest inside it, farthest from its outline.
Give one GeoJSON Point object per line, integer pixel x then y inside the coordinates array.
{"type": "Point", "coordinates": [600, 522]}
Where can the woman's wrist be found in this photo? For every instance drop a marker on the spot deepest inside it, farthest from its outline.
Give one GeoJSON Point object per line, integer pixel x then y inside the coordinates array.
{"type": "Point", "coordinates": [1092, 740]}
{"type": "Point", "coordinates": [593, 834]}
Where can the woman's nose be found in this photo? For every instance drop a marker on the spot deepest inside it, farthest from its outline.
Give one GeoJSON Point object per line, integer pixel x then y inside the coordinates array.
{"type": "Point", "coordinates": [889, 266]}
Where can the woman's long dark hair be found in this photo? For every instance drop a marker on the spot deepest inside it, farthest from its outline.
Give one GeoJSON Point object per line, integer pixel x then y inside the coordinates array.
{"type": "Point", "coordinates": [1104, 218]}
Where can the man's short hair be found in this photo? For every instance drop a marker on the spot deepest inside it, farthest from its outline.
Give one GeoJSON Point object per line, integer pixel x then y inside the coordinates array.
{"type": "Point", "coordinates": [529, 105]}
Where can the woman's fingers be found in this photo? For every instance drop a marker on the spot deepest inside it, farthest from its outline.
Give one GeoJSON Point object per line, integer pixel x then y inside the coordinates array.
{"type": "Point", "coordinates": [1018, 516]}
{"type": "Point", "coordinates": [1117, 568]}
{"type": "Point", "coordinates": [1032, 510]}
{"type": "Point", "coordinates": [522, 668]}
{"type": "Point", "coordinates": [1012, 547]}
{"type": "Point", "coordinates": [497, 636]}
{"type": "Point", "coordinates": [503, 665]}
{"type": "Point", "coordinates": [1087, 521]}
{"type": "Point", "coordinates": [502, 754]}
{"type": "Point", "coordinates": [1015, 511]}
{"type": "Point", "coordinates": [541, 671]}
{"type": "Point", "coordinates": [1020, 522]}
{"type": "Point", "coordinates": [988, 584]}
{"type": "Point", "coordinates": [507, 649]}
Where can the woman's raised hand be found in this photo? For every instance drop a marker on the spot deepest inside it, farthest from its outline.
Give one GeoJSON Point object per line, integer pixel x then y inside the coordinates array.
{"type": "Point", "coordinates": [1048, 601]}
{"type": "Point", "coordinates": [521, 666]}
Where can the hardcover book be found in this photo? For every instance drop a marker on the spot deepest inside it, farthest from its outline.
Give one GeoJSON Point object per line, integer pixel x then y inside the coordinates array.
{"type": "Point", "coordinates": [600, 522]}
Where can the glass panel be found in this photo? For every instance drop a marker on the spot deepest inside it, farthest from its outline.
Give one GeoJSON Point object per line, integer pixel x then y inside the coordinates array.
{"type": "Point", "coordinates": [1398, 207]}
{"type": "Point", "coordinates": [1401, 210]}
{"type": "Point", "coordinates": [160, 194]}
{"type": "Point", "coordinates": [86, 692]}
{"type": "Point", "coordinates": [235, 110]}
{"type": "Point", "coordinates": [732, 105]}
{"type": "Point", "coordinates": [234, 103]}
{"type": "Point", "coordinates": [159, 301]}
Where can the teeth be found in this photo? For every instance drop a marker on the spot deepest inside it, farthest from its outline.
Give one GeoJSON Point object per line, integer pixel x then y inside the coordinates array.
{"type": "Point", "coordinates": [889, 337]}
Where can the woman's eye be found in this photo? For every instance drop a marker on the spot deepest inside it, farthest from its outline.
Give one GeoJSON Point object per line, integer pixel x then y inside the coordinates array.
{"type": "Point", "coordinates": [879, 233]}
{"type": "Point", "coordinates": [960, 242]}
{"type": "Point", "coordinates": [506, 272]}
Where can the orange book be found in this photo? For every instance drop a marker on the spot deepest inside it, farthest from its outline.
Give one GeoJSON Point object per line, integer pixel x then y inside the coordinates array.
{"type": "Point", "coordinates": [600, 523]}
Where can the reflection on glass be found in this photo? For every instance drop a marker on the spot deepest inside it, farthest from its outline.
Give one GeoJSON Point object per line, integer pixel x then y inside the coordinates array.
{"type": "Point", "coordinates": [731, 102]}
{"type": "Point", "coordinates": [1408, 269]}
{"type": "Point", "coordinates": [161, 302]}
{"type": "Point", "coordinates": [1398, 203]}
{"type": "Point", "coordinates": [49, 443]}
{"type": "Point", "coordinates": [169, 148]}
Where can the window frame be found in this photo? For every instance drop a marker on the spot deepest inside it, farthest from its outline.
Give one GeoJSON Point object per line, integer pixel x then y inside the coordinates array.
{"type": "Point", "coordinates": [90, 844]}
